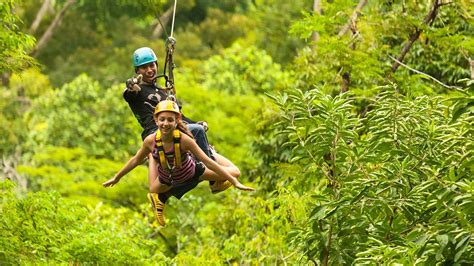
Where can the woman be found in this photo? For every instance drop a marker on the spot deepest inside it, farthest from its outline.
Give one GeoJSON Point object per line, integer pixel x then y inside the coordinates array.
{"type": "Point", "coordinates": [173, 157]}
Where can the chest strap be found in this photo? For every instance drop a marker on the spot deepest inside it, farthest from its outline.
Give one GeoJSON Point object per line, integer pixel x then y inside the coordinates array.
{"type": "Point", "coordinates": [177, 149]}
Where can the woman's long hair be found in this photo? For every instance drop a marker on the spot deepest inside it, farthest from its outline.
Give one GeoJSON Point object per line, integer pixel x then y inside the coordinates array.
{"type": "Point", "coordinates": [183, 128]}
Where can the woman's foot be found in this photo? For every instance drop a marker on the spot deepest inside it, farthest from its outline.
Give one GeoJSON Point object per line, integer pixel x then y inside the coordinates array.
{"type": "Point", "coordinates": [220, 186]}
{"type": "Point", "coordinates": [158, 207]}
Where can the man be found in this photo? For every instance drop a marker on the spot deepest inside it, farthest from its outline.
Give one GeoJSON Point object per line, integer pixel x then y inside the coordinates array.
{"type": "Point", "coordinates": [143, 95]}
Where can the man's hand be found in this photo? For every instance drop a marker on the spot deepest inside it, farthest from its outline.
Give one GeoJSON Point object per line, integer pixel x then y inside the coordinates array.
{"type": "Point", "coordinates": [132, 83]}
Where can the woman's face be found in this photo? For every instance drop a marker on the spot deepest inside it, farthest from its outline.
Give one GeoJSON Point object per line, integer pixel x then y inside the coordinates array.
{"type": "Point", "coordinates": [167, 122]}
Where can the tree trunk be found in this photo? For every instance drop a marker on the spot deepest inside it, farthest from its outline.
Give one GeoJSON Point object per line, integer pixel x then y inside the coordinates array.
{"type": "Point", "coordinates": [352, 25]}
{"type": "Point", "coordinates": [5, 79]}
{"type": "Point", "coordinates": [52, 27]}
{"type": "Point", "coordinates": [8, 168]}
{"type": "Point", "coordinates": [353, 18]}
{"type": "Point", "coordinates": [316, 10]}
{"type": "Point", "coordinates": [165, 18]}
{"type": "Point", "coordinates": [346, 81]}
{"type": "Point", "coordinates": [471, 63]}
{"type": "Point", "coordinates": [325, 261]}
{"type": "Point", "coordinates": [39, 16]}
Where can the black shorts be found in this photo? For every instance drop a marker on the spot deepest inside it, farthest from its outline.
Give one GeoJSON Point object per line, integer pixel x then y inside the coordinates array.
{"type": "Point", "coordinates": [179, 190]}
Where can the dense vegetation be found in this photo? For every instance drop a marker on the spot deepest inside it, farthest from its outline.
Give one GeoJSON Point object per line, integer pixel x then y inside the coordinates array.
{"type": "Point", "coordinates": [353, 119]}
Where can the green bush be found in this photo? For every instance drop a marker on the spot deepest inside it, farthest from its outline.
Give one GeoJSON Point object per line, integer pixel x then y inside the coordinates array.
{"type": "Point", "coordinates": [82, 114]}
{"type": "Point", "coordinates": [44, 227]}
{"type": "Point", "coordinates": [393, 187]}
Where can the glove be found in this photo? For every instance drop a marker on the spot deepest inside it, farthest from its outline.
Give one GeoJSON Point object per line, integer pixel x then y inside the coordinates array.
{"type": "Point", "coordinates": [132, 83]}
{"type": "Point", "coordinates": [203, 124]}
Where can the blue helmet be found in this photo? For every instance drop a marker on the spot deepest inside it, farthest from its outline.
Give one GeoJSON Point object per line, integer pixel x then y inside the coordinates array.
{"type": "Point", "coordinates": [143, 56]}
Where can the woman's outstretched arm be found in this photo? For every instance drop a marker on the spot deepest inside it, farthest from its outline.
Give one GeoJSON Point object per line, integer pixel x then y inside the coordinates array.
{"type": "Point", "coordinates": [190, 145]}
{"type": "Point", "coordinates": [137, 159]}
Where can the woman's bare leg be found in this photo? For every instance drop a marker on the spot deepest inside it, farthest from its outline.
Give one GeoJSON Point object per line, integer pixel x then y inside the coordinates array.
{"type": "Point", "coordinates": [157, 187]}
{"type": "Point", "coordinates": [226, 164]}
{"type": "Point", "coordinates": [157, 198]}
{"type": "Point", "coordinates": [152, 171]}
{"type": "Point", "coordinates": [153, 181]}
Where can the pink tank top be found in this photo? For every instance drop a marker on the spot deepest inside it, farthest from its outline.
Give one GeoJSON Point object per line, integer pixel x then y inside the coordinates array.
{"type": "Point", "coordinates": [177, 175]}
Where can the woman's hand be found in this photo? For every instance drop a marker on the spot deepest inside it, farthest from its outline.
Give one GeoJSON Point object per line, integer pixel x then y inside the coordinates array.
{"type": "Point", "coordinates": [243, 187]}
{"type": "Point", "coordinates": [111, 182]}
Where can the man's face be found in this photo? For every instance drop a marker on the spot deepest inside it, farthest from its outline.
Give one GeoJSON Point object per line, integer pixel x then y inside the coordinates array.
{"type": "Point", "coordinates": [148, 72]}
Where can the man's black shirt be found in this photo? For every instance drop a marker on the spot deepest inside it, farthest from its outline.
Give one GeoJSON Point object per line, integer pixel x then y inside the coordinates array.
{"type": "Point", "coordinates": [143, 105]}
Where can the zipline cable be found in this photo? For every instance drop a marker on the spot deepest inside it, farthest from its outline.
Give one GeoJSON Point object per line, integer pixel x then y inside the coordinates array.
{"type": "Point", "coordinates": [172, 22]}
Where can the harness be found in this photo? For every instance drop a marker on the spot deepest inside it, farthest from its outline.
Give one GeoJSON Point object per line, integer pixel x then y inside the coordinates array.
{"type": "Point", "coordinates": [171, 93]}
{"type": "Point", "coordinates": [177, 150]}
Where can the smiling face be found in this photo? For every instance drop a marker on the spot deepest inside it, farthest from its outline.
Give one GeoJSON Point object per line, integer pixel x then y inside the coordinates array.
{"type": "Point", "coordinates": [148, 71]}
{"type": "Point", "coordinates": [166, 121]}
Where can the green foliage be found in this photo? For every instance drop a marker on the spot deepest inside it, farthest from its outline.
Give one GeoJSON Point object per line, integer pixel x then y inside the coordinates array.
{"type": "Point", "coordinates": [365, 54]}
{"type": "Point", "coordinates": [235, 228]}
{"type": "Point", "coordinates": [216, 32]}
{"type": "Point", "coordinates": [73, 173]}
{"type": "Point", "coordinates": [14, 44]}
{"type": "Point", "coordinates": [325, 63]}
{"type": "Point", "coordinates": [451, 33]}
{"type": "Point", "coordinates": [11, 127]}
{"type": "Point", "coordinates": [30, 83]}
{"type": "Point", "coordinates": [82, 114]}
{"type": "Point", "coordinates": [43, 227]}
{"type": "Point", "coordinates": [102, 35]}
{"type": "Point", "coordinates": [393, 187]}
{"type": "Point", "coordinates": [273, 19]}
{"type": "Point", "coordinates": [104, 58]}
{"type": "Point", "coordinates": [244, 70]}
{"type": "Point", "coordinates": [15, 100]}
{"type": "Point", "coordinates": [379, 175]}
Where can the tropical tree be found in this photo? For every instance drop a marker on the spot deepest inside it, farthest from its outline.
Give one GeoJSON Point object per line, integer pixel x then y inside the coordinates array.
{"type": "Point", "coordinates": [393, 187]}
{"type": "Point", "coordinates": [63, 118]}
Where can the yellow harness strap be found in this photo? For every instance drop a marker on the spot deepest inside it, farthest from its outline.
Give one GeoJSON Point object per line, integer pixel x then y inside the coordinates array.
{"type": "Point", "coordinates": [177, 149]}
{"type": "Point", "coordinates": [161, 150]}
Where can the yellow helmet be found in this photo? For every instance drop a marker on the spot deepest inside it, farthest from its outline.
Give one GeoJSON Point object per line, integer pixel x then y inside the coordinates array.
{"type": "Point", "coordinates": [167, 105]}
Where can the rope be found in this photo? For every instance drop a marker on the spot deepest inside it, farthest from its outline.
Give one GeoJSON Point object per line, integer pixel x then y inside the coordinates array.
{"type": "Point", "coordinates": [170, 42]}
{"type": "Point", "coordinates": [172, 22]}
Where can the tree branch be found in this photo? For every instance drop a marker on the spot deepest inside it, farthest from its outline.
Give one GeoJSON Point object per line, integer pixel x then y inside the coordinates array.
{"type": "Point", "coordinates": [165, 18]}
{"type": "Point", "coordinates": [414, 36]}
{"type": "Point", "coordinates": [52, 27]}
{"type": "Point", "coordinates": [39, 16]}
{"type": "Point", "coordinates": [353, 18]}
